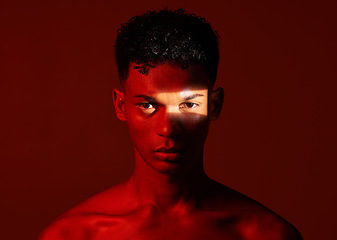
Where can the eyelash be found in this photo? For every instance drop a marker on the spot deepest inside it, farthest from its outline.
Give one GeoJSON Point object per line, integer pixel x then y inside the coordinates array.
{"type": "Point", "coordinates": [142, 105]}
{"type": "Point", "coordinates": [185, 104]}
{"type": "Point", "coordinates": [150, 106]}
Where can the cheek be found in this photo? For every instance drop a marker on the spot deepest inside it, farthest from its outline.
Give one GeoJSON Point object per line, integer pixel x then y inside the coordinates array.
{"type": "Point", "coordinates": [195, 128]}
{"type": "Point", "coordinates": [139, 126]}
{"type": "Point", "coordinates": [195, 122]}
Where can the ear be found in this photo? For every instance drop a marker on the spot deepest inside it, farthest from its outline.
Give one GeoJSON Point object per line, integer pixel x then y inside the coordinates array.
{"type": "Point", "coordinates": [216, 101]}
{"type": "Point", "coordinates": [118, 100]}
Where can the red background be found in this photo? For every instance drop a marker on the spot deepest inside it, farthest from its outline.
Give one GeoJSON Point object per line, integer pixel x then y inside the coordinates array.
{"type": "Point", "coordinates": [61, 143]}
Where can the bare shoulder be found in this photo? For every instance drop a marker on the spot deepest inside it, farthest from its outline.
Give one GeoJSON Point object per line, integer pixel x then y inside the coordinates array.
{"type": "Point", "coordinates": [261, 224]}
{"type": "Point", "coordinates": [61, 229]}
{"type": "Point", "coordinates": [104, 210]}
{"type": "Point", "coordinates": [253, 221]}
{"type": "Point", "coordinates": [79, 226]}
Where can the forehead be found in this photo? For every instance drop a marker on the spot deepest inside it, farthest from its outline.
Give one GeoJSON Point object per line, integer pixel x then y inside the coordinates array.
{"type": "Point", "coordinates": [166, 78]}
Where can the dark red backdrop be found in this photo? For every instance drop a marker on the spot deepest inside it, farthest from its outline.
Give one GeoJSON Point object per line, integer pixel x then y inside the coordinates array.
{"type": "Point", "coordinates": [61, 143]}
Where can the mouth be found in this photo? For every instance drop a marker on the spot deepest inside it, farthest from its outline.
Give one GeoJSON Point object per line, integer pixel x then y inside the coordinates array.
{"type": "Point", "coordinates": [167, 150]}
{"type": "Point", "coordinates": [167, 154]}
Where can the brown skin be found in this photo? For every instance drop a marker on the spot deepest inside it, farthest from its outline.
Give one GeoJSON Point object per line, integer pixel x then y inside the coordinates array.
{"type": "Point", "coordinates": [169, 196]}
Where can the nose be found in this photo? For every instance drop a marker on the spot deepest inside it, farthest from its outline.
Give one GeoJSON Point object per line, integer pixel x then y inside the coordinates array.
{"type": "Point", "coordinates": [168, 125]}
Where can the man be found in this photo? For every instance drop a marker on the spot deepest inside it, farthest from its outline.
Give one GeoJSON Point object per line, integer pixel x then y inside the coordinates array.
{"type": "Point", "coordinates": [167, 64]}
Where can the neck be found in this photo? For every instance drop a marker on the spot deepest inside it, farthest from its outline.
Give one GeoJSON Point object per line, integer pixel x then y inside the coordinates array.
{"type": "Point", "coordinates": [168, 190]}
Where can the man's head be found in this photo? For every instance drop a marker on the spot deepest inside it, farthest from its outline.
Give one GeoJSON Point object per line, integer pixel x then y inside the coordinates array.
{"type": "Point", "coordinates": [167, 63]}
{"type": "Point", "coordinates": [167, 36]}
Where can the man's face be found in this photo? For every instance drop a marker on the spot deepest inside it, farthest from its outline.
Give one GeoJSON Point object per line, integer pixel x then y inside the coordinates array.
{"type": "Point", "coordinates": [166, 111]}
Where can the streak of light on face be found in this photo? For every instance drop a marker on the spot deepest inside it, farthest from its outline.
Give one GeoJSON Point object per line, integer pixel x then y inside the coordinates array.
{"type": "Point", "coordinates": [176, 103]}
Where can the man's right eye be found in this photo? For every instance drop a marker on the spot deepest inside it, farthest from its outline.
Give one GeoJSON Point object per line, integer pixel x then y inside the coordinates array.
{"type": "Point", "coordinates": [147, 108]}
{"type": "Point", "coordinates": [146, 105]}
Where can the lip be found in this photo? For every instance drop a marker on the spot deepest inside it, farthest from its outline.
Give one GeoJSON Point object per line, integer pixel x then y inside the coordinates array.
{"type": "Point", "coordinates": [167, 154]}
{"type": "Point", "coordinates": [167, 150]}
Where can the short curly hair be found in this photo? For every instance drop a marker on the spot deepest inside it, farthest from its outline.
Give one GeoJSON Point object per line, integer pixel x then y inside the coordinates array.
{"type": "Point", "coordinates": [167, 36]}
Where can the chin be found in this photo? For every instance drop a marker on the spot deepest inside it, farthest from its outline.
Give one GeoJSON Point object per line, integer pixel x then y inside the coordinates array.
{"type": "Point", "coordinates": [173, 167]}
{"type": "Point", "coordinates": [167, 167]}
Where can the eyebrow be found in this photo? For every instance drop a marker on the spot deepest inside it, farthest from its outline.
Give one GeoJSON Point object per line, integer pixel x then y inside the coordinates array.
{"type": "Point", "coordinates": [193, 96]}
{"type": "Point", "coordinates": [148, 98]}
{"type": "Point", "coordinates": [153, 99]}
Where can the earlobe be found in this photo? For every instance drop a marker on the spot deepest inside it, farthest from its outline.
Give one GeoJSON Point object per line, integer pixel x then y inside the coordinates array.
{"type": "Point", "coordinates": [118, 100]}
{"type": "Point", "coordinates": [217, 98]}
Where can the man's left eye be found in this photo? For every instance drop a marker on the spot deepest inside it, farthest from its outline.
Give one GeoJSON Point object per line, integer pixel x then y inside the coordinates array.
{"type": "Point", "coordinates": [188, 105]}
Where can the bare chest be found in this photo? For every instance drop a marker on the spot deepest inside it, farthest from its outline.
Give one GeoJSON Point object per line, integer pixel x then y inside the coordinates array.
{"type": "Point", "coordinates": [197, 228]}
